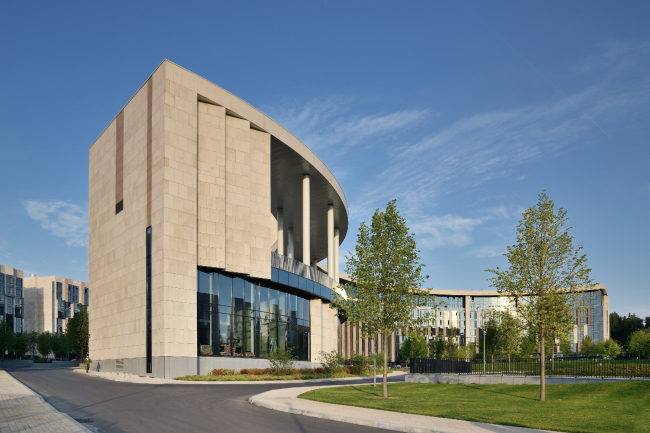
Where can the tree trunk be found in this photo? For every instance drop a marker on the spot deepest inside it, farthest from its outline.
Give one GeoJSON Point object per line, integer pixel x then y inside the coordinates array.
{"type": "Point", "coordinates": [542, 373]}
{"type": "Point", "coordinates": [385, 365]}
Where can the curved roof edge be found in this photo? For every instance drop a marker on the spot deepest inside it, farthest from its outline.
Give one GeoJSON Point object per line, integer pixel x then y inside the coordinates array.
{"type": "Point", "coordinates": [442, 292]}
{"type": "Point", "coordinates": [265, 123]}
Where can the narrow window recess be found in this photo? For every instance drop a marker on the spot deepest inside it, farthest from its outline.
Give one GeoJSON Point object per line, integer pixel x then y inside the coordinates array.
{"type": "Point", "coordinates": [119, 207]}
{"type": "Point", "coordinates": [148, 301]}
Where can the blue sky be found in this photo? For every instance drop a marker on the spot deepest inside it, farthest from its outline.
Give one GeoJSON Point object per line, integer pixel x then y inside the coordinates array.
{"type": "Point", "coordinates": [462, 111]}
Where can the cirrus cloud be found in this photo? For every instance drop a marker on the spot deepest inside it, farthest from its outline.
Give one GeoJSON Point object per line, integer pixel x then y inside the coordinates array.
{"type": "Point", "coordinates": [65, 220]}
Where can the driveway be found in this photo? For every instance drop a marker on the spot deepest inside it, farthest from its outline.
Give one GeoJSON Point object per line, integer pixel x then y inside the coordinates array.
{"type": "Point", "coordinates": [130, 407]}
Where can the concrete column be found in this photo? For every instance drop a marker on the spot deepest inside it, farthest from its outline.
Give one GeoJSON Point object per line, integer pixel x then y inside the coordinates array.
{"type": "Point", "coordinates": [290, 252]}
{"type": "Point", "coordinates": [330, 240]}
{"type": "Point", "coordinates": [306, 246]}
{"type": "Point", "coordinates": [336, 254]}
{"type": "Point", "coordinates": [280, 231]}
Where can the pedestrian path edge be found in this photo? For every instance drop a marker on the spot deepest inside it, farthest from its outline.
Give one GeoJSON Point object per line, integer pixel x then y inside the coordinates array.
{"type": "Point", "coordinates": [286, 400]}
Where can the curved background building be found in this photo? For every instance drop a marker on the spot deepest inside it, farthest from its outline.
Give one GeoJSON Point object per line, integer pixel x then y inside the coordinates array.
{"type": "Point", "coordinates": [467, 311]}
{"type": "Point", "coordinates": [207, 220]}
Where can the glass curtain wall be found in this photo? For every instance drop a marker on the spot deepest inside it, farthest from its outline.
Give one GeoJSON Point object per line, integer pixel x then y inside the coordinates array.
{"type": "Point", "coordinates": [237, 317]}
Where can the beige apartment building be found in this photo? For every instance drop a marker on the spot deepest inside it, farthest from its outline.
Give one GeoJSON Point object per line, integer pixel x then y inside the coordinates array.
{"type": "Point", "coordinates": [52, 301]}
{"type": "Point", "coordinates": [207, 221]}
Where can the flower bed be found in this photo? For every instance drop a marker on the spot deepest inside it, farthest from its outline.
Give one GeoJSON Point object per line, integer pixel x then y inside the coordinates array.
{"type": "Point", "coordinates": [255, 374]}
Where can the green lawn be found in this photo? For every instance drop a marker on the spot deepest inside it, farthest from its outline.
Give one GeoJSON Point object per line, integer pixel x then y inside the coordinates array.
{"type": "Point", "coordinates": [594, 407]}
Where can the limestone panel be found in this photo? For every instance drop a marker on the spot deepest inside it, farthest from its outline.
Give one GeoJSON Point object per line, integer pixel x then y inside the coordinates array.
{"type": "Point", "coordinates": [262, 221]}
{"type": "Point", "coordinates": [174, 292]}
{"type": "Point", "coordinates": [212, 186]}
{"type": "Point", "coordinates": [117, 253]}
{"type": "Point", "coordinates": [315, 329]}
{"type": "Point", "coordinates": [238, 195]}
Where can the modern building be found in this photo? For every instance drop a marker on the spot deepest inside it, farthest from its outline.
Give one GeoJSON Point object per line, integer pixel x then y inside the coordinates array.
{"type": "Point", "coordinates": [467, 311]}
{"type": "Point", "coordinates": [207, 221]}
{"type": "Point", "coordinates": [11, 298]}
{"type": "Point", "coordinates": [51, 301]}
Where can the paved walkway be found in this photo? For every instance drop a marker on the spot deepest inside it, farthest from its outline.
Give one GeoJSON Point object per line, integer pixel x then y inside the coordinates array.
{"type": "Point", "coordinates": [120, 377]}
{"type": "Point", "coordinates": [286, 400]}
{"type": "Point", "coordinates": [22, 410]}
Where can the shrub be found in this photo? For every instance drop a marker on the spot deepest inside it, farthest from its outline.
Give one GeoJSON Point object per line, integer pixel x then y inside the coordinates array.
{"type": "Point", "coordinates": [358, 360]}
{"type": "Point", "coordinates": [281, 362]}
{"type": "Point", "coordinates": [222, 372]}
{"type": "Point", "coordinates": [330, 360]}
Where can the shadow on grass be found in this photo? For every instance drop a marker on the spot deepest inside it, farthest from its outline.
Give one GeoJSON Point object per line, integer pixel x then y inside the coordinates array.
{"type": "Point", "coordinates": [480, 388]}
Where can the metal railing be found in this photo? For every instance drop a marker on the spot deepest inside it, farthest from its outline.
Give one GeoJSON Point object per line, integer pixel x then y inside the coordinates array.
{"type": "Point", "coordinates": [576, 367]}
{"type": "Point", "coordinates": [295, 267]}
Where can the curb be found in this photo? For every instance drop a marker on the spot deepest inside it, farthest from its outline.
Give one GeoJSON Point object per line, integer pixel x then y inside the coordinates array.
{"type": "Point", "coordinates": [341, 418]}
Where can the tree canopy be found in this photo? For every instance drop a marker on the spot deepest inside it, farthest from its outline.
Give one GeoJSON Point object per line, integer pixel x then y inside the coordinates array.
{"type": "Point", "coordinates": [544, 274]}
{"type": "Point", "coordinates": [386, 279]}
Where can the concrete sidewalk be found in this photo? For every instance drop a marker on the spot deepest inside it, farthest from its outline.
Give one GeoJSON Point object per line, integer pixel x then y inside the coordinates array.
{"type": "Point", "coordinates": [22, 410]}
{"type": "Point", "coordinates": [119, 377]}
{"type": "Point", "coordinates": [286, 400]}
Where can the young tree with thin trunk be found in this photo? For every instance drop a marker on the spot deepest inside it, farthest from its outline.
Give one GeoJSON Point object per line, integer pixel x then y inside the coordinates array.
{"type": "Point", "coordinates": [32, 339]}
{"type": "Point", "coordinates": [386, 280]}
{"type": "Point", "coordinates": [545, 273]}
{"type": "Point", "coordinates": [44, 344]}
{"type": "Point", "coordinates": [508, 335]}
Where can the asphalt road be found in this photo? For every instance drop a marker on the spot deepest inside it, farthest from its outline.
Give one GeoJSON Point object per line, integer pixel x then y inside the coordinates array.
{"type": "Point", "coordinates": [129, 407]}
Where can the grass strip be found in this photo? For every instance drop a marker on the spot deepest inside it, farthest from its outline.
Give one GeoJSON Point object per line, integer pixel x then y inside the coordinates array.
{"type": "Point", "coordinates": [594, 407]}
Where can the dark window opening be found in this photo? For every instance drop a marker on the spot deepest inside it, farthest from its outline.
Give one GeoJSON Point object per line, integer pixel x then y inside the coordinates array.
{"type": "Point", "coordinates": [119, 207]}
{"type": "Point", "coordinates": [148, 270]}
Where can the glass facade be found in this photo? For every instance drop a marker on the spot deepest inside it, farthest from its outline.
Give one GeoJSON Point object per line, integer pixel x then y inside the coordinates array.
{"type": "Point", "coordinates": [451, 311]}
{"type": "Point", "coordinates": [305, 284]}
{"type": "Point", "coordinates": [11, 301]}
{"type": "Point", "coordinates": [242, 317]}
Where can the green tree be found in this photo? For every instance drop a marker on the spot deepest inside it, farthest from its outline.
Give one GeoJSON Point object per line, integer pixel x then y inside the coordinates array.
{"type": "Point", "coordinates": [60, 345]}
{"type": "Point", "coordinates": [587, 348]}
{"type": "Point", "coordinates": [21, 345]}
{"type": "Point", "coordinates": [452, 343]}
{"type": "Point", "coordinates": [77, 332]}
{"type": "Point", "coordinates": [508, 335]}
{"type": "Point", "coordinates": [621, 327]}
{"type": "Point", "coordinates": [639, 344]}
{"type": "Point", "coordinates": [565, 345]}
{"type": "Point", "coordinates": [386, 276]}
{"type": "Point", "coordinates": [6, 337]}
{"type": "Point", "coordinates": [438, 347]}
{"type": "Point", "coordinates": [32, 339]}
{"type": "Point", "coordinates": [491, 336]}
{"type": "Point", "coordinates": [610, 349]}
{"type": "Point", "coordinates": [544, 275]}
{"type": "Point", "coordinates": [415, 346]}
{"type": "Point", "coordinates": [528, 346]}
{"type": "Point", "coordinates": [44, 344]}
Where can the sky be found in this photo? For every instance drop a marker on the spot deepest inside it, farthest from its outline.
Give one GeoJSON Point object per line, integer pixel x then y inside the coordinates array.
{"type": "Point", "coordinates": [462, 111]}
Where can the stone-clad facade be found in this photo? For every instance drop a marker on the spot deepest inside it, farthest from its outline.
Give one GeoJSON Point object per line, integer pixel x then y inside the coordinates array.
{"type": "Point", "coordinates": [210, 176]}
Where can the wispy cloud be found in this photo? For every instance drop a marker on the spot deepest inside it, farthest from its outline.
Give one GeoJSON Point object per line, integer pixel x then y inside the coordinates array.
{"type": "Point", "coordinates": [65, 220]}
{"type": "Point", "coordinates": [488, 251]}
{"type": "Point", "coordinates": [328, 124]}
{"type": "Point", "coordinates": [452, 230]}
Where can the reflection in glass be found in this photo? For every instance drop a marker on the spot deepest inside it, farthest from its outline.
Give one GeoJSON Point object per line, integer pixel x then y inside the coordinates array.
{"type": "Point", "coordinates": [237, 317]}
